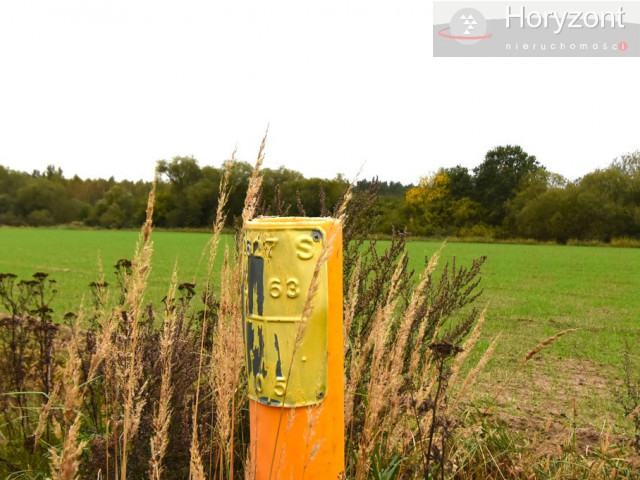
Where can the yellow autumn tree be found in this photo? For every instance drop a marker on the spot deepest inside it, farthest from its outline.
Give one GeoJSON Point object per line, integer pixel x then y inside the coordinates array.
{"type": "Point", "coordinates": [428, 204]}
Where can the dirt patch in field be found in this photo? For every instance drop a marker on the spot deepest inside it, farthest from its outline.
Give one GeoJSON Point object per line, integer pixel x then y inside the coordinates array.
{"type": "Point", "coordinates": [559, 403]}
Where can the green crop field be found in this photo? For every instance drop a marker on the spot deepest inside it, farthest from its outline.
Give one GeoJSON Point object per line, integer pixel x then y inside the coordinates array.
{"type": "Point", "coordinates": [531, 292]}
{"type": "Point", "coordinates": [535, 291]}
{"type": "Point", "coordinates": [71, 257]}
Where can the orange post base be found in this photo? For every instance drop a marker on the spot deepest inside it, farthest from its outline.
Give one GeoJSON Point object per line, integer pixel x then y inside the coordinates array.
{"type": "Point", "coordinates": [310, 444]}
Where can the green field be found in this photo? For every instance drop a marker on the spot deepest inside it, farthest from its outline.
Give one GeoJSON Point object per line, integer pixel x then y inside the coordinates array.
{"type": "Point", "coordinates": [531, 292]}
{"type": "Point", "coordinates": [71, 257]}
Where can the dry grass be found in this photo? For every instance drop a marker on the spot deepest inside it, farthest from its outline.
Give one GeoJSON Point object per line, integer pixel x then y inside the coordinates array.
{"type": "Point", "coordinates": [162, 417]}
{"type": "Point", "coordinates": [70, 389]}
{"type": "Point", "coordinates": [252, 198]}
{"type": "Point", "coordinates": [542, 345]}
{"type": "Point", "coordinates": [351, 300]}
{"type": "Point", "coordinates": [136, 284]}
{"type": "Point", "coordinates": [395, 374]}
{"type": "Point", "coordinates": [467, 347]}
{"type": "Point", "coordinates": [475, 372]}
{"type": "Point", "coordinates": [64, 465]}
{"type": "Point", "coordinates": [377, 391]}
{"type": "Point", "coordinates": [404, 353]}
{"type": "Point", "coordinates": [226, 366]}
{"type": "Point", "coordinates": [196, 465]}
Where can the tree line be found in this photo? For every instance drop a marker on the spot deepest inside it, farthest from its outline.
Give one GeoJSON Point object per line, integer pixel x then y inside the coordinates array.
{"type": "Point", "coordinates": [511, 195]}
{"type": "Point", "coordinates": [508, 195]}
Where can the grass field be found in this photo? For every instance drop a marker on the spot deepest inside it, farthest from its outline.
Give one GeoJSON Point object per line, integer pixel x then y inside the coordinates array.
{"type": "Point", "coordinates": [534, 291]}
{"type": "Point", "coordinates": [71, 257]}
{"type": "Point", "coordinates": [531, 292]}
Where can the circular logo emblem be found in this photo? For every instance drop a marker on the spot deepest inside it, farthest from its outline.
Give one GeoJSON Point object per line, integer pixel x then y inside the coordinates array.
{"type": "Point", "coordinates": [468, 26]}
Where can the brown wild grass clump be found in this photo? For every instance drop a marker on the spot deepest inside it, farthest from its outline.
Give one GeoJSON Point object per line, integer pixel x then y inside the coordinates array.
{"type": "Point", "coordinates": [404, 339]}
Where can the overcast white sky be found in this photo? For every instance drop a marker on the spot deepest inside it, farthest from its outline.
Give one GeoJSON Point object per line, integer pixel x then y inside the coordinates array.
{"type": "Point", "coordinates": [109, 87]}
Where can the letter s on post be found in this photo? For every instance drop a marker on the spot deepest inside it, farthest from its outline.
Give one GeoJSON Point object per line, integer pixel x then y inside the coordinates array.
{"type": "Point", "coordinates": [304, 247]}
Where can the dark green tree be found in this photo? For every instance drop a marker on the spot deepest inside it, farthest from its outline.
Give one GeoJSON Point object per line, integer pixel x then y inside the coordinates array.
{"type": "Point", "coordinates": [461, 182]}
{"type": "Point", "coordinates": [285, 182]}
{"type": "Point", "coordinates": [606, 202]}
{"type": "Point", "coordinates": [116, 209]}
{"type": "Point", "coordinates": [184, 207]}
{"type": "Point", "coordinates": [181, 171]}
{"type": "Point", "coordinates": [497, 178]}
{"type": "Point", "coordinates": [532, 186]}
{"type": "Point", "coordinates": [44, 202]}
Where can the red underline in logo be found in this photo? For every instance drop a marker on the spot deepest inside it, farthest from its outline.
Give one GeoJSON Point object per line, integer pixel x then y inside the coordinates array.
{"type": "Point", "coordinates": [460, 37]}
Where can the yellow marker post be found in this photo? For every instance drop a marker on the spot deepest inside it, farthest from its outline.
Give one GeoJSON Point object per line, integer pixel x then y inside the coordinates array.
{"type": "Point", "coordinates": [295, 371]}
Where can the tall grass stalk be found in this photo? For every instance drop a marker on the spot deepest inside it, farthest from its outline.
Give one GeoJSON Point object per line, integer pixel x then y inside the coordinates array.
{"type": "Point", "coordinates": [544, 344]}
{"type": "Point", "coordinates": [395, 367]}
{"type": "Point", "coordinates": [136, 284]}
{"type": "Point", "coordinates": [467, 347]}
{"type": "Point", "coordinates": [377, 388]}
{"type": "Point", "coordinates": [252, 198]}
{"type": "Point", "coordinates": [351, 301]}
{"type": "Point", "coordinates": [64, 465]}
{"type": "Point", "coordinates": [162, 416]}
{"type": "Point", "coordinates": [196, 465]}
{"type": "Point", "coordinates": [249, 210]}
{"type": "Point", "coordinates": [473, 374]}
{"type": "Point", "coordinates": [226, 366]}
